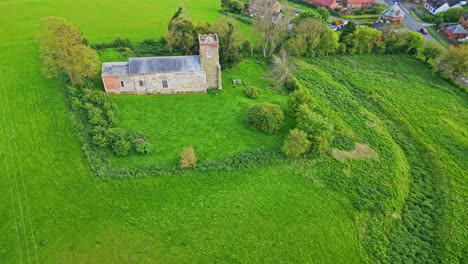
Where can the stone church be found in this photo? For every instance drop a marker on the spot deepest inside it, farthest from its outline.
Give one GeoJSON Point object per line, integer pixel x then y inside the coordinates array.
{"type": "Point", "coordinates": [166, 75]}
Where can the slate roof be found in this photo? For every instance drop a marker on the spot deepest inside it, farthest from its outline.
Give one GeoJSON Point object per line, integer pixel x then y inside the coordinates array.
{"type": "Point", "coordinates": [114, 69]}
{"type": "Point", "coordinates": [436, 3]}
{"type": "Point", "coordinates": [457, 29]}
{"type": "Point", "coordinates": [165, 64]}
{"type": "Point", "coordinates": [393, 11]}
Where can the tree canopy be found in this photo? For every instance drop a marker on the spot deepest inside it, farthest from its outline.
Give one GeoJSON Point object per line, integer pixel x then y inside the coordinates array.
{"type": "Point", "coordinates": [63, 48]}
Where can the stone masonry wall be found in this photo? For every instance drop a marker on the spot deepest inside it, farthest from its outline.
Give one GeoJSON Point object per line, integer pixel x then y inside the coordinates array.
{"type": "Point", "coordinates": [178, 82]}
{"type": "Point", "coordinates": [210, 65]}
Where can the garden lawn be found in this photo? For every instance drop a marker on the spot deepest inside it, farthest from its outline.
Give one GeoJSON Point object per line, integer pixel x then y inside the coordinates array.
{"type": "Point", "coordinates": [215, 125]}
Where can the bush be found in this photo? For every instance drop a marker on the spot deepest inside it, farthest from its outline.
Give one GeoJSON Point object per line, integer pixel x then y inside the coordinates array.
{"type": "Point", "coordinates": [300, 97]}
{"type": "Point", "coordinates": [251, 92]}
{"type": "Point", "coordinates": [116, 134]}
{"type": "Point", "coordinates": [75, 104]}
{"type": "Point", "coordinates": [343, 142]}
{"type": "Point", "coordinates": [293, 84]}
{"type": "Point", "coordinates": [142, 146]}
{"type": "Point", "coordinates": [296, 143]}
{"type": "Point", "coordinates": [121, 147]}
{"type": "Point", "coordinates": [265, 117]}
{"type": "Point", "coordinates": [111, 116]}
{"type": "Point", "coordinates": [246, 47]}
{"type": "Point", "coordinates": [99, 137]}
{"type": "Point", "coordinates": [187, 157]}
{"type": "Point", "coordinates": [236, 6]}
{"type": "Point", "coordinates": [319, 130]}
{"type": "Point", "coordinates": [95, 116]}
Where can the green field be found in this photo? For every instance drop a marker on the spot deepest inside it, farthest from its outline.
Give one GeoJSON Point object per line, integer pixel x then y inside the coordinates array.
{"type": "Point", "coordinates": [54, 210]}
{"type": "Point", "coordinates": [213, 124]}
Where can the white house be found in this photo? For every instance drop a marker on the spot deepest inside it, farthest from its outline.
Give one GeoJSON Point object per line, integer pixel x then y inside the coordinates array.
{"type": "Point", "coordinates": [436, 6]}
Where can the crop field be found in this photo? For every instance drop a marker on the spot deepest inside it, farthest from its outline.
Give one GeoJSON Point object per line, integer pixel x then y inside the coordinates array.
{"type": "Point", "coordinates": [405, 202]}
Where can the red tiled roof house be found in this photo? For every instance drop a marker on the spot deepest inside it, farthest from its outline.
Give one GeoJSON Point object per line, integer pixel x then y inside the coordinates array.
{"type": "Point", "coordinates": [323, 3]}
{"type": "Point", "coordinates": [352, 4]}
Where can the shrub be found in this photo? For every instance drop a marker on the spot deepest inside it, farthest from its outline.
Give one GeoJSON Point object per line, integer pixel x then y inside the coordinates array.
{"type": "Point", "coordinates": [343, 142]}
{"type": "Point", "coordinates": [293, 84]}
{"type": "Point", "coordinates": [265, 117]}
{"type": "Point", "coordinates": [97, 98]}
{"type": "Point", "coordinates": [116, 134]}
{"type": "Point", "coordinates": [187, 157]}
{"type": "Point", "coordinates": [121, 147]}
{"type": "Point", "coordinates": [75, 104]}
{"type": "Point", "coordinates": [246, 47]}
{"type": "Point", "coordinates": [251, 92]}
{"type": "Point", "coordinates": [99, 137]}
{"type": "Point", "coordinates": [319, 130]}
{"type": "Point", "coordinates": [296, 143]}
{"type": "Point", "coordinates": [302, 112]}
{"type": "Point", "coordinates": [111, 116]}
{"type": "Point", "coordinates": [142, 146]}
{"type": "Point", "coordinates": [95, 116]}
{"type": "Point", "coordinates": [300, 97]}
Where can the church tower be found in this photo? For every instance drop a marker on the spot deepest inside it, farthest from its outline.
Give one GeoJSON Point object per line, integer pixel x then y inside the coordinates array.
{"type": "Point", "coordinates": [209, 58]}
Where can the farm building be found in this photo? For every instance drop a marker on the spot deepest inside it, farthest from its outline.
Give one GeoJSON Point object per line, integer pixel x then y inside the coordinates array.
{"type": "Point", "coordinates": [323, 3]}
{"type": "Point", "coordinates": [392, 15]}
{"type": "Point", "coordinates": [352, 4]}
{"type": "Point", "coordinates": [166, 75]}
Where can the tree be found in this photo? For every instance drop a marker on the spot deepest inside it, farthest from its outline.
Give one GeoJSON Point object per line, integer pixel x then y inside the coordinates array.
{"type": "Point", "coordinates": [229, 49]}
{"type": "Point", "coordinates": [63, 48]}
{"type": "Point", "coordinates": [431, 51]}
{"type": "Point", "coordinates": [364, 39]}
{"type": "Point", "coordinates": [236, 7]}
{"type": "Point", "coordinates": [265, 117]}
{"type": "Point", "coordinates": [454, 62]}
{"type": "Point", "coordinates": [410, 41]}
{"type": "Point", "coordinates": [348, 29]}
{"type": "Point", "coordinates": [296, 143]}
{"type": "Point", "coordinates": [267, 29]}
{"type": "Point", "coordinates": [188, 157]}
{"type": "Point", "coordinates": [313, 30]}
{"type": "Point", "coordinates": [319, 131]}
{"type": "Point", "coordinates": [181, 35]}
{"type": "Point", "coordinates": [300, 97]}
{"type": "Point", "coordinates": [225, 4]}
{"type": "Point", "coordinates": [282, 68]}
{"type": "Point", "coordinates": [324, 13]}
{"type": "Point", "coordinates": [297, 46]}
{"type": "Point", "coordinates": [328, 42]}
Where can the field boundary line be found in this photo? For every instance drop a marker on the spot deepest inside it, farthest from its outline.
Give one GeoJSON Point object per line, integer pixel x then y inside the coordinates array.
{"type": "Point", "coordinates": [21, 177]}
{"type": "Point", "coordinates": [9, 184]}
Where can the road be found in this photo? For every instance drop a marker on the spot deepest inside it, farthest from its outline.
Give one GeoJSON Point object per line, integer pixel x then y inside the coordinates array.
{"type": "Point", "coordinates": [412, 24]}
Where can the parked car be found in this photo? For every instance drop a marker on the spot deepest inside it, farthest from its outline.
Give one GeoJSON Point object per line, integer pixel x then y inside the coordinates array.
{"type": "Point", "coordinates": [424, 31]}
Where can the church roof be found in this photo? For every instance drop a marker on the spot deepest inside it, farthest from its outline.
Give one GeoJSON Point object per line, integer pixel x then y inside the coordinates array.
{"type": "Point", "coordinates": [114, 69]}
{"type": "Point", "coordinates": [165, 64]}
{"type": "Point", "coordinates": [393, 11]}
{"type": "Point", "coordinates": [152, 65]}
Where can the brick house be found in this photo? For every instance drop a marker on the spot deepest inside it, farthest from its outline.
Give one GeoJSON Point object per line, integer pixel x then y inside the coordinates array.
{"type": "Point", "coordinates": [166, 75]}
{"type": "Point", "coordinates": [464, 21]}
{"type": "Point", "coordinates": [330, 4]}
{"type": "Point", "coordinates": [454, 31]}
{"type": "Point", "coordinates": [392, 15]}
{"type": "Point", "coordinates": [353, 4]}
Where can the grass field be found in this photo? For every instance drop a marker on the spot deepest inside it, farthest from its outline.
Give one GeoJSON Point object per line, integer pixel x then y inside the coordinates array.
{"type": "Point", "coordinates": [213, 124]}
{"type": "Point", "coordinates": [54, 210]}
